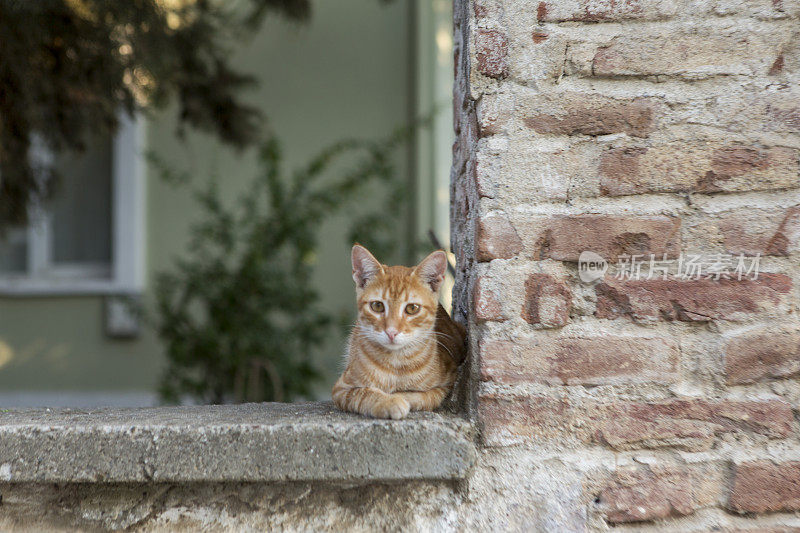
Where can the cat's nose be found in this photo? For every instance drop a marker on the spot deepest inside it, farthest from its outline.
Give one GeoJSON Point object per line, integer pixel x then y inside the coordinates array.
{"type": "Point", "coordinates": [391, 333]}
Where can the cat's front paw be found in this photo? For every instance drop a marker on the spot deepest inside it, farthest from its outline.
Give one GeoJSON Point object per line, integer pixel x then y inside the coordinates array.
{"type": "Point", "coordinates": [394, 407]}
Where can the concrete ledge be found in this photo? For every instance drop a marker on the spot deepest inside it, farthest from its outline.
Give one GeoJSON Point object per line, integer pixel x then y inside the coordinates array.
{"type": "Point", "coordinates": [252, 442]}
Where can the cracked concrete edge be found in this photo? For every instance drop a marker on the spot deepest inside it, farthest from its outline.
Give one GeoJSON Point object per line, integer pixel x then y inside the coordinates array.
{"type": "Point", "coordinates": [254, 442]}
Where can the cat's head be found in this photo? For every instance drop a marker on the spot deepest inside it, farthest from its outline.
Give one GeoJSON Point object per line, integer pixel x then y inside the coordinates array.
{"type": "Point", "coordinates": [396, 304]}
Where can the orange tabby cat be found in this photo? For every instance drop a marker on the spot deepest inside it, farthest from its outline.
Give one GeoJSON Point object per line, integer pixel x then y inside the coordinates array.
{"type": "Point", "coordinates": [404, 349]}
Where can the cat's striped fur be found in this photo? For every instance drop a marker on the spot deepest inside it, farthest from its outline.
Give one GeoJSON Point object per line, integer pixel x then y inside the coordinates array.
{"type": "Point", "coordinates": [404, 349]}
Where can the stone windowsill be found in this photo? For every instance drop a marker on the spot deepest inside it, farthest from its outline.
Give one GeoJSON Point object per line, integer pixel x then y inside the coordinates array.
{"type": "Point", "coordinates": [252, 442]}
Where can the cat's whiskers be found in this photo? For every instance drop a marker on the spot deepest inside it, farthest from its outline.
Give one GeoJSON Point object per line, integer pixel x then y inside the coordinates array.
{"type": "Point", "coordinates": [443, 346]}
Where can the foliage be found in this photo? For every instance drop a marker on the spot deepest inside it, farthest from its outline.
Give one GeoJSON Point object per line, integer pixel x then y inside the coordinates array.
{"type": "Point", "coordinates": [68, 67]}
{"type": "Point", "coordinates": [239, 314]}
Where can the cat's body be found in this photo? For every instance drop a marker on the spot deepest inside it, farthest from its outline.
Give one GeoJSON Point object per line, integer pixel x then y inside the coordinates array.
{"type": "Point", "coordinates": [404, 349]}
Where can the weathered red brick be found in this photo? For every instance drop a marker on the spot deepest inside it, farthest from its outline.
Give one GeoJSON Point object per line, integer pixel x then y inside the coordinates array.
{"type": "Point", "coordinates": [650, 10]}
{"type": "Point", "coordinates": [760, 9]}
{"type": "Point", "coordinates": [564, 237]}
{"type": "Point", "coordinates": [607, 11]}
{"type": "Point", "coordinates": [777, 66]}
{"type": "Point", "coordinates": [772, 352]}
{"type": "Point", "coordinates": [496, 238]}
{"type": "Point", "coordinates": [509, 362]}
{"type": "Point", "coordinates": [487, 304]}
{"type": "Point", "coordinates": [761, 231]}
{"type": "Point", "coordinates": [578, 114]}
{"type": "Point", "coordinates": [773, 110]}
{"type": "Point", "coordinates": [524, 172]}
{"type": "Point", "coordinates": [539, 36]}
{"type": "Point", "coordinates": [761, 529]}
{"type": "Point", "coordinates": [688, 424]}
{"type": "Point", "coordinates": [786, 238]}
{"type": "Point", "coordinates": [783, 116]}
{"type": "Point", "coordinates": [581, 361]}
{"type": "Point", "coordinates": [514, 419]}
{"type": "Point", "coordinates": [636, 494]}
{"type": "Point", "coordinates": [485, 9]}
{"type": "Point", "coordinates": [689, 54]}
{"type": "Point", "coordinates": [547, 301]}
{"type": "Point", "coordinates": [605, 360]}
{"type": "Point", "coordinates": [493, 114]}
{"type": "Point", "coordinates": [491, 52]}
{"type": "Point", "coordinates": [697, 167]}
{"type": "Point", "coordinates": [495, 355]}
{"type": "Point", "coordinates": [738, 161]}
{"type": "Point", "coordinates": [485, 184]}
{"type": "Point", "coordinates": [764, 486]}
{"type": "Point", "coordinates": [690, 301]}
{"type": "Point", "coordinates": [541, 11]}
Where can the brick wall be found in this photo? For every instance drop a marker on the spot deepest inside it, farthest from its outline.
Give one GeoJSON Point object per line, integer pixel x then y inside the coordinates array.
{"type": "Point", "coordinates": [635, 127]}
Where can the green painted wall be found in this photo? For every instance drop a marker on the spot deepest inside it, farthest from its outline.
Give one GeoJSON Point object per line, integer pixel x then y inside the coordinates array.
{"type": "Point", "coordinates": [345, 74]}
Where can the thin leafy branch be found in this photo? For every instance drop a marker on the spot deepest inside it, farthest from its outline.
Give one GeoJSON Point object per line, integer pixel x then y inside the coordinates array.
{"type": "Point", "coordinates": [239, 314]}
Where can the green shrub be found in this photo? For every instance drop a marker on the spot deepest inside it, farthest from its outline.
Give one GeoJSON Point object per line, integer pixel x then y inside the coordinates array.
{"type": "Point", "coordinates": [238, 314]}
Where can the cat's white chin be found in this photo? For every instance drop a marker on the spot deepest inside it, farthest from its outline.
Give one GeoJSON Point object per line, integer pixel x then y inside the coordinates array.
{"type": "Point", "coordinates": [394, 346]}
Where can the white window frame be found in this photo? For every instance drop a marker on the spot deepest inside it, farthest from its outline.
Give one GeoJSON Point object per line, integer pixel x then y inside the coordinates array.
{"type": "Point", "coordinates": [434, 92]}
{"type": "Point", "coordinates": [126, 272]}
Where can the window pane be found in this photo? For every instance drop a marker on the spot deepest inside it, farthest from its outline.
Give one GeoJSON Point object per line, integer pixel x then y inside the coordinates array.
{"type": "Point", "coordinates": [81, 206]}
{"type": "Point", "coordinates": [14, 251]}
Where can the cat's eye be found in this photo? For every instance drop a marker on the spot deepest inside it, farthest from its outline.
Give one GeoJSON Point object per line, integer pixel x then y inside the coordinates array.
{"type": "Point", "coordinates": [376, 306]}
{"type": "Point", "coordinates": [412, 309]}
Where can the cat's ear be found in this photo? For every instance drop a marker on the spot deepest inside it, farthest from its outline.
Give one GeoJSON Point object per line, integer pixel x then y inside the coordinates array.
{"type": "Point", "coordinates": [365, 266]}
{"type": "Point", "coordinates": [431, 270]}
